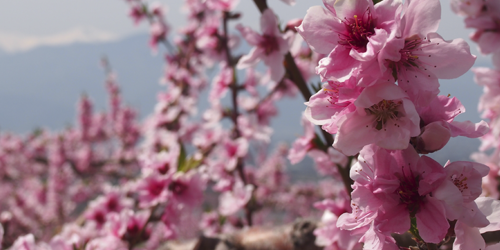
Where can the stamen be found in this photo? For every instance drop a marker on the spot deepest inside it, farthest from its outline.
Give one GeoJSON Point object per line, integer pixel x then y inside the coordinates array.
{"type": "Point", "coordinates": [357, 31]}
{"type": "Point", "coordinates": [384, 111]}
{"type": "Point", "coordinates": [408, 191]}
{"type": "Point", "coordinates": [269, 44]}
{"type": "Point", "coordinates": [333, 96]}
{"type": "Point", "coordinates": [460, 182]}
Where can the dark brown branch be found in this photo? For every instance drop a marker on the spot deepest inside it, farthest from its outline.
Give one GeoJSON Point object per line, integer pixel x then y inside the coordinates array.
{"type": "Point", "coordinates": [261, 4]}
{"type": "Point", "coordinates": [297, 78]}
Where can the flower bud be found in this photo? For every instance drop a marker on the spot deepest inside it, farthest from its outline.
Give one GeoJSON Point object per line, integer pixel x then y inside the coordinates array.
{"type": "Point", "coordinates": [290, 25]}
{"type": "Point", "coordinates": [433, 138]}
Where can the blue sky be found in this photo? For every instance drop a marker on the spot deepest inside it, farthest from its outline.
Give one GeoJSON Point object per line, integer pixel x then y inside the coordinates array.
{"type": "Point", "coordinates": [37, 18]}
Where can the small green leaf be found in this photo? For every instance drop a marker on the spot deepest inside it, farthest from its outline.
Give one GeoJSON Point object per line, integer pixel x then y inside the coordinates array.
{"type": "Point", "coordinates": [181, 161]}
{"type": "Point", "coordinates": [317, 87]}
{"type": "Point", "coordinates": [190, 164]}
{"type": "Point", "coordinates": [222, 220]}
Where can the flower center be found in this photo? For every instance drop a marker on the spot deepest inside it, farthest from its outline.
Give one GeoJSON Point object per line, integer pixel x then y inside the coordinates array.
{"type": "Point", "coordinates": [408, 59]}
{"type": "Point", "coordinates": [269, 44]}
{"type": "Point", "coordinates": [156, 187]}
{"type": "Point", "coordinates": [177, 187]}
{"type": "Point", "coordinates": [357, 31]}
{"type": "Point", "coordinates": [408, 192]}
{"type": "Point", "coordinates": [333, 95]}
{"type": "Point", "coordinates": [100, 218]}
{"type": "Point", "coordinates": [164, 168]}
{"type": "Point", "coordinates": [384, 111]}
{"type": "Point", "coordinates": [112, 204]}
{"type": "Point", "coordinates": [231, 150]}
{"type": "Point", "coordinates": [460, 181]}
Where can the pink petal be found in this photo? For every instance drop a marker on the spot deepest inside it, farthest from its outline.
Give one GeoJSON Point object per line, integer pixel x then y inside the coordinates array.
{"type": "Point", "coordinates": [275, 63]}
{"type": "Point", "coordinates": [375, 44]}
{"type": "Point", "coordinates": [432, 174]}
{"type": "Point", "coordinates": [394, 137]}
{"type": "Point", "coordinates": [338, 65]}
{"type": "Point", "coordinates": [349, 8]}
{"type": "Point", "coordinates": [269, 23]}
{"type": "Point", "coordinates": [391, 50]}
{"type": "Point", "coordinates": [329, 5]}
{"type": "Point", "coordinates": [421, 86]}
{"type": "Point", "coordinates": [253, 38]}
{"type": "Point", "coordinates": [388, 10]}
{"type": "Point", "coordinates": [469, 129]}
{"type": "Point", "coordinates": [397, 220]}
{"type": "Point", "coordinates": [422, 17]}
{"type": "Point", "coordinates": [488, 42]}
{"type": "Point", "coordinates": [315, 113]}
{"type": "Point", "coordinates": [354, 133]}
{"type": "Point", "coordinates": [473, 216]}
{"type": "Point", "coordinates": [250, 60]}
{"type": "Point", "coordinates": [380, 91]}
{"type": "Point", "coordinates": [377, 240]}
{"type": "Point", "coordinates": [232, 201]}
{"type": "Point", "coordinates": [441, 108]}
{"type": "Point", "coordinates": [412, 115]}
{"type": "Point", "coordinates": [491, 209]}
{"type": "Point", "coordinates": [431, 221]}
{"type": "Point", "coordinates": [484, 22]}
{"type": "Point", "coordinates": [285, 42]}
{"type": "Point", "coordinates": [298, 150]}
{"type": "Point", "coordinates": [467, 237]}
{"type": "Point", "coordinates": [368, 204]}
{"type": "Point", "coordinates": [496, 59]}
{"type": "Point", "coordinates": [319, 109]}
{"type": "Point", "coordinates": [447, 60]}
{"type": "Point", "coordinates": [452, 200]}
{"type": "Point", "coordinates": [319, 29]}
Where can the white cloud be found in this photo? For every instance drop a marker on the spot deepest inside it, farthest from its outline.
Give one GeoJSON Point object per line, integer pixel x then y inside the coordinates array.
{"type": "Point", "coordinates": [11, 43]}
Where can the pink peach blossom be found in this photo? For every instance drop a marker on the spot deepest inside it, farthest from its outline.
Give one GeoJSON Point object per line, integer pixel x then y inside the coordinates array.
{"type": "Point", "coordinates": [231, 202]}
{"type": "Point", "coordinates": [351, 33]}
{"type": "Point", "coordinates": [269, 47]}
{"type": "Point", "coordinates": [384, 116]}
{"type": "Point", "coordinates": [303, 144]}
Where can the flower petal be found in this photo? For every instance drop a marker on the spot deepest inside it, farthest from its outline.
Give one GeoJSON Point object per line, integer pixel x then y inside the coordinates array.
{"type": "Point", "coordinates": [252, 58]}
{"type": "Point", "coordinates": [467, 237]}
{"type": "Point", "coordinates": [338, 65]}
{"type": "Point", "coordinates": [421, 17]}
{"type": "Point", "coordinates": [491, 209]}
{"type": "Point", "coordinates": [269, 23]}
{"type": "Point", "coordinates": [354, 133]}
{"type": "Point", "coordinates": [431, 221]}
{"type": "Point", "coordinates": [446, 59]}
{"type": "Point", "coordinates": [252, 37]}
{"type": "Point", "coordinates": [319, 29]}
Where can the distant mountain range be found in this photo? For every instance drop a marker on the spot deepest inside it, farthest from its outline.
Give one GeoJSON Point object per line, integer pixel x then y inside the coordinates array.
{"type": "Point", "coordinates": [17, 43]}
{"type": "Point", "coordinates": [40, 87]}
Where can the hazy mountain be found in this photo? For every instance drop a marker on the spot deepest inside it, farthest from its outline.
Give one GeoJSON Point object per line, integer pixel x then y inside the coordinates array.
{"type": "Point", "coordinates": [11, 42]}
{"type": "Point", "coordinates": [40, 87]}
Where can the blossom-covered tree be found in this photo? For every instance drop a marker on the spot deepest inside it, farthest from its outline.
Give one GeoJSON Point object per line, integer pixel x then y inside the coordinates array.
{"type": "Point", "coordinates": [113, 182]}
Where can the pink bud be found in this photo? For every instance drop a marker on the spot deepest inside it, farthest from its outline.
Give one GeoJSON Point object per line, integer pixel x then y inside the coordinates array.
{"type": "Point", "coordinates": [433, 138]}
{"type": "Point", "coordinates": [290, 25]}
